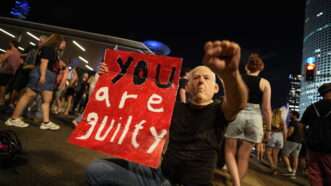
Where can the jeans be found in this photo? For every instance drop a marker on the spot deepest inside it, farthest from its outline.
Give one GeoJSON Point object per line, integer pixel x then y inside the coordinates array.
{"type": "Point", "coordinates": [319, 168]}
{"type": "Point", "coordinates": [117, 172]}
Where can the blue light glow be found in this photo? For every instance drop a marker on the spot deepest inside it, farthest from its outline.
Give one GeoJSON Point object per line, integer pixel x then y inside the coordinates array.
{"type": "Point", "coordinates": [310, 60]}
{"type": "Point", "coordinates": [21, 9]}
{"type": "Point", "coordinates": [158, 47]}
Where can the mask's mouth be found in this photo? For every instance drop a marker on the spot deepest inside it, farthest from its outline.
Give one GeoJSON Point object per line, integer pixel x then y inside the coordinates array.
{"type": "Point", "coordinates": [200, 88]}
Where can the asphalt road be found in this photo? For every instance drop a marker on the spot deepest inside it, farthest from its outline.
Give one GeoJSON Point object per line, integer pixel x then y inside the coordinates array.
{"type": "Point", "coordinates": [49, 160]}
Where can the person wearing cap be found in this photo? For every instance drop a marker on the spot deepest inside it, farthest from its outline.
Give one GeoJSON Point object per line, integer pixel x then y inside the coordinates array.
{"type": "Point", "coordinates": [319, 156]}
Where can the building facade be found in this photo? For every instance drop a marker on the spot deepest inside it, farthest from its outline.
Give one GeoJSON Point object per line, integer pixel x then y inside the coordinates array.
{"type": "Point", "coordinates": [293, 98]}
{"type": "Point", "coordinates": [316, 49]}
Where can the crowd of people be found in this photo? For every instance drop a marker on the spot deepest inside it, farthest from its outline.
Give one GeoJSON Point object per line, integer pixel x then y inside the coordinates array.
{"type": "Point", "coordinates": [237, 120]}
{"type": "Point", "coordinates": [30, 79]}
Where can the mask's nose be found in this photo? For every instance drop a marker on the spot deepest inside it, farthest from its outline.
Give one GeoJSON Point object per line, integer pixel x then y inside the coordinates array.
{"type": "Point", "coordinates": [200, 82]}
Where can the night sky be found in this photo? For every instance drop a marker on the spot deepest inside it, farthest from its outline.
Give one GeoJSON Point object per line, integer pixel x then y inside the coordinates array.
{"type": "Point", "coordinates": [272, 28]}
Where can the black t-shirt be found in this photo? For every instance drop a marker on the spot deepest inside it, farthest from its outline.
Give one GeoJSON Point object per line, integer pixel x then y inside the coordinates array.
{"type": "Point", "coordinates": [50, 54]}
{"type": "Point", "coordinates": [195, 136]}
{"type": "Point", "coordinates": [323, 107]}
{"type": "Point", "coordinates": [31, 56]}
{"type": "Point", "coordinates": [295, 137]}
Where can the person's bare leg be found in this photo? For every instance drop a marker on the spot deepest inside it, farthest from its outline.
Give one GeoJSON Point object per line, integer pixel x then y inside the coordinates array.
{"type": "Point", "coordinates": [243, 158]}
{"type": "Point", "coordinates": [13, 97]}
{"type": "Point", "coordinates": [23, 102]}
{"type": "Point", "coordinates": [230, 159]}
{"type": "Point", "coordinates": [257, 147]}
{"type": "Point", "coordinates": [262, 151]}
{"type": "Point", "coordinates": [275, 153]}
{"type": "Point", "coordinates": [69, 105]}
{"type": "Point", "coordinates": [47, 98]}
{"type": "Point", "coordinates": [269, 155]}
{"type": "Point", "coordinates": [287, 163]}
{"type": "Point", "coordinates": [2, 94]}
{"type": "Point", "coordinates": [58, 104]}
{"type": "Point", "coordinates": [295, 164]}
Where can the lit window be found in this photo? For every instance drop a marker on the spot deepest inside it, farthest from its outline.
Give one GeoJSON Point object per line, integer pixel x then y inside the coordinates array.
{"type": "Point", "coordinates": [319, 14]}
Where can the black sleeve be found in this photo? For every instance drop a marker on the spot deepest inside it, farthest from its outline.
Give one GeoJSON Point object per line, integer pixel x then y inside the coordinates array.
{"type": "Point", "coordinates": [47, 53]}
{"type": "Point", "coordinates": [221, 117]}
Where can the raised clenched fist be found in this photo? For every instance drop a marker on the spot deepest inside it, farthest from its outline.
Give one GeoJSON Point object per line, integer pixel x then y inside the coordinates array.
{"type": "Point", "coordinates": [223, 57]}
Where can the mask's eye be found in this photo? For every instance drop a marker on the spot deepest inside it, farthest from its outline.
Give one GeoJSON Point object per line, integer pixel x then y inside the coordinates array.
{"type": "Point", "coordinates": [206, 77]}
{"type": "Point", "coordinates": [196, 77]}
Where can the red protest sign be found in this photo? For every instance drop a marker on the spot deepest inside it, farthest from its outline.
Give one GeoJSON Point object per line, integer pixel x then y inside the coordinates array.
{"type": "Point", "coordinates": [129, 112]}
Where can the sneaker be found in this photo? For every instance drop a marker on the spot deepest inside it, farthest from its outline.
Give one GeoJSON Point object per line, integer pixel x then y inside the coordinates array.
{"type": "Point", "coordinates": [293, 176]}
{"type": "Point", "coordinates": [16, 123]}
{"type": "Point", "coordinates": [50, 125]}
{"type": "Point", "coordinates": [289, 170]}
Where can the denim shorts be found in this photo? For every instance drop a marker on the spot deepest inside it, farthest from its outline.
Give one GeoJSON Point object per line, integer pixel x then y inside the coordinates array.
{"type": "Point", "coordinates": [49, 85]}
{"type": "Point", "coordinates": [276, 140]}
{"type": "Point", "coordinates": [292, 148]}
{"type": "Point", "coordinates": [248, 125]}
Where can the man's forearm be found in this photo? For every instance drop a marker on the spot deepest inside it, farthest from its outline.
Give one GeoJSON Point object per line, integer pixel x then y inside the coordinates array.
{"type": "Point", "coordinates": [235, 91]}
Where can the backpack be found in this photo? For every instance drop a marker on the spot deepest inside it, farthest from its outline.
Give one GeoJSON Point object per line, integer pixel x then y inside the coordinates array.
{"type": "Point", "coordinates": [318, 133]}
{"type": "Point", "coordinates": [10, 146]}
